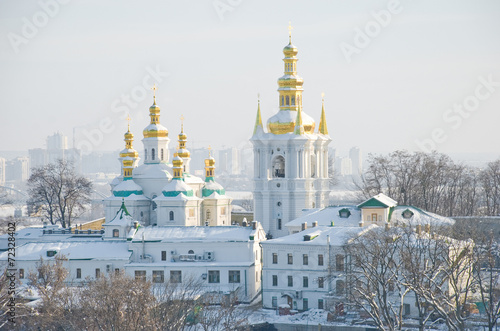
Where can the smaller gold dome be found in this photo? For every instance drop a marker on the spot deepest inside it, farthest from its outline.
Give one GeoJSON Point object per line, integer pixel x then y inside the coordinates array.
{"type": "Point", "coordinates": [210, 162]}
{"type": "Point", "coordinates": [177, 161]}
{"type": "Point", "coordinates": [290, 50]}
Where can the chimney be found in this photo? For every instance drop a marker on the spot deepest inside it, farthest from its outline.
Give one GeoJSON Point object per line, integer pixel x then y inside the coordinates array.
{"type": "Point", "coordinates": [244, 223]}
{"type": "Point", "coordinates": [304, 226]}
{"type": "Point", "coordinates": [428, 228]}
{"type": "Point", "coordinates": [315, 224]}
{"type": "Point", "coordinates": [387, 226]}
{"type": "Point", "coordinates": [361, 223]}
{"type": "Point", "coordinates": [419, 229]}
{"type": "Point", "coordinates": [254, 225]}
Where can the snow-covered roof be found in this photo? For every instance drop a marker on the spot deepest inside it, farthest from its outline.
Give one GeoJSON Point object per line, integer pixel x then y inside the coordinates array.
{"type": "Point", "coordinates": [289, 116]}
{"type": "Point", "coordinates": [378, 199]}
{"type": "Point", "coordinates": [155, 127]}
{"type": "Point", "coordinates": [96, 250]}
{"type": "Point", "coordinates": [175, 187]}
{"type": "Point", "coordinates": [122, 218]}
{"type": "Point", "coordinates": [338, 236]}
{"type": "Point", "coordinates": [193, 233]}
{"type": "Point", "coordinates": [127, 188]}
{"type": "Point", "coordinates": [188, 178]}
{"type": "Point", "coordinates": [325, 216]}
{"type": "Point", "coordinates": [418, 216]}
{"type": "Point", "coordinates": [154, 170]}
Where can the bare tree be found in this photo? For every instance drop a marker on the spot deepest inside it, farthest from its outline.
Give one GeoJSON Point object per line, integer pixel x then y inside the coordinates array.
{"type": "Point", "coordinates": [373, 276]}
{"type": "Point", "coordinates": [59, 192]}
{"type": "Point", "coordinates": [220, 312]}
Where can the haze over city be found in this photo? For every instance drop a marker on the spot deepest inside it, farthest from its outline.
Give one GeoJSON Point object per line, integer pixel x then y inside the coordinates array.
{"type": "Point", "coordinates": [393, 72]}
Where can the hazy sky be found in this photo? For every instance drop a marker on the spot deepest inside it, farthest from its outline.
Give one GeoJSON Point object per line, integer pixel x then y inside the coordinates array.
{"type": "Point", "coordinates": [396, 74]}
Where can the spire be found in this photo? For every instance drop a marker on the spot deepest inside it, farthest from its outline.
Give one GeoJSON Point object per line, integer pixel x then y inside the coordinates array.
{"type": "Point", "coordinates": [154, 88]}
{"type": "Point", "coordinates": [258, 121]}
{"type": "Point", "coordinates": [299, 127]}
{"type": "Point", "coordinates": [322, 122]}
{"type": "Point", "coordinates": [290, 28]}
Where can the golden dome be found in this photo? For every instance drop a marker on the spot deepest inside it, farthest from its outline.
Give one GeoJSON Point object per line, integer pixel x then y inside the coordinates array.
{"type": "Point", "coordinates": [284, 122]}
{"type": "Point", "coordinates": [210, 162]}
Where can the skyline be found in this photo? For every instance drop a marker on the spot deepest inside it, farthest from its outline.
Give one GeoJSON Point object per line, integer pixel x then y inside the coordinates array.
{"type": "Point", "coordinates": [422, 79]}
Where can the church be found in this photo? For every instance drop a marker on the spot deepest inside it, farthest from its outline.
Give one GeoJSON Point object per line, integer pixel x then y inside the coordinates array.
{"type": "Point", "coordinates": [164, 193]}
{"type": "Point", "coordinates": [291, 158]}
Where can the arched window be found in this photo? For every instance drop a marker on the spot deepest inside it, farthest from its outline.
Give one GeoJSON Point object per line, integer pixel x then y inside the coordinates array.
{"type": "Point", "coordinates": [116, 233]}
{"type": "Point", "coordinates": [208, 214]}
{"type": "Point", "coordinates": [313, 166]}
{"type": "Point", "coordinates": [154, 205]}
{"type": "Point", "coordinates": [190, 251]}
{"type": "Point", "coordinates": [162, 154]}
{"type": "Point", "coordinates": [293, 101]}
{"type": "Point", "coordinates": [145, 154]}
{"type": "Point", "coordinates": [279, 166]}
{"type": "Point", "coordinates": [287, 100]}
{"type": "Point", "coordinates": [152, 154]}
{"type": "Point", "coordinates": [171, 215]}
{"type": "Point", "coordinates": [282, 100]}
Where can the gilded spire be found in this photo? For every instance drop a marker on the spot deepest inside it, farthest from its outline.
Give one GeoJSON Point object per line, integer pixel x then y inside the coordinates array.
{"type": "Point", "coordinates": [299, 127]}
{"type": "Point", "coordinates": [322, 122]}
{"type": "Point", "coordinates": [290, 28]}
{"type": "Point", "coordinates": [129, 155]}
{"type": "Point", "coordinates": [154, 129]}
{"type": "Point", "coordinates": [258, 121]}
{"type": "Point", "coordinates": [182, 151]}
{"type": "Point", "coordinates": [154, 88]}
{"type": "Point", "coordinates": [209, 166]}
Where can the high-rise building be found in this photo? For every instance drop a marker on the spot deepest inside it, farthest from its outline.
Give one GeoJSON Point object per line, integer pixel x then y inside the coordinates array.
{"type": "Point", "coordinates": [356, 161]}
{"type": "Point", "coordinates": [290, 159]}
{"type": "Point", "coordinates": [2, 171]}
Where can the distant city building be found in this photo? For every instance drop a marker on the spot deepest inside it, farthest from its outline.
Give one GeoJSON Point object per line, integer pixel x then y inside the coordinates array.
{"type": "Point", "coordinates": [356, 161]}
{"type": "Point", "coordinates": [229, 160]}
{"type": "Point", "coordinates": [57, 149]}
{"type": "Point", "coordinates": [17, 170]}
{"type": "Point", "coordinates": [343, 166]}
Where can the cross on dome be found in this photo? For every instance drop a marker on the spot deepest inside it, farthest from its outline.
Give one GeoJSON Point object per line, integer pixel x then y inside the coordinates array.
{"type": "Point", "coordinates": [128, 120]}
{"type": "Point", "coordinates": [290, 28]}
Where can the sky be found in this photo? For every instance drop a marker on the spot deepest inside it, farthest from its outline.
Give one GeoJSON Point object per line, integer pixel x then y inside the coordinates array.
{"type": "Point", "coordinates": [415, 75]}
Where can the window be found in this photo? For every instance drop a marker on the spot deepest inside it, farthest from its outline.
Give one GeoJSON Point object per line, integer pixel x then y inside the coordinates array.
{"type": "Point", "coordinates": [171, 215]}
{"type": "Point", "coordinates": [97, 273]}
{"type": "Point", "coordinates": [320, 259]}
{"type": "Point", "coordinates": [117, 271]}
{"type": "Point", "coordinates": [279, 167]}
{"type": "Point", "coordinates": [164, 255]}
{"type": "Point", "coordinates": [190, 251]}
{"type": "Point", "coordinates": [21, 273]}
{"type": "Point", "coordinates": [305, 259]}
{"type": "Point", "coordinates": [391, 286]}
{"type": "Point", "coordinates": [406, 309]}
{"type": "Point", "coordinates": [275, 280]}
{"type": "Point", "coordinates": [287, 100]}
{"type": "Point", "coordinates": [305, 281]}
{"type": "Point", "coordinates": [339, 262]}
{"type": "Point", "coordinates": [290, 281]}
{"type": "Point", "coordinates": [234, 276]}
{"type": "Point", "coordinates": [279, 224]}
{"type": "Point", "coordinates": [320, 304]}
{"type": "Point", "coordinates": [78, 273]}
{"type": "Point", "coordinates": [339, 287]}
{"type": "Point", "coordinates": [154, 203]}
{"type": "Point", "coordinates": [152, 154]}
{"type": "Point", "coordinates": [162, 154]}
{"type": "Point", "coordinates": [158, 276]}
{"type": "Point", "coordinates": [275, 302]}
{"type": "Point", "coordinates": [213, 276]}
{"type": "Point", "coordinates": [344, 213]}
{"type": "Point", "coordinates": [51, 253]}
{"type": "Point", "coordinates": [293, 101]}
{"type": "Point", "coordinates": [305, 304]}
{"type": "Point", "coordinates": [140, 275]}
{"type": "Point", "coordinates": [208, 215]}
{"type": "Point", "coordinates": [116, 233]}
{"type": "Point", "coordinates": [175, 276]}
{"type": "Point", "coordinates": [275, 258]}
{"type": "Point", "coordinates": [146, 154]}
{"type": "Point", "coordinates": [374, 217]}
{"type": "Point", "coordinates": [290, 258]}
{"type": "Point", "coordinates": [321, 282]}
{"type": "Point", "coordinates": [282, 100]}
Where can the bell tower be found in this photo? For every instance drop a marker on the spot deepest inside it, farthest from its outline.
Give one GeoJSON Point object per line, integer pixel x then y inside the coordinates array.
{"type": "Point", "coordinates": [290, 159]}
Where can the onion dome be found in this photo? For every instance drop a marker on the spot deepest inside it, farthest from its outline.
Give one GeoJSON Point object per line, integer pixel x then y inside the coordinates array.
{"type": "Point", "coordinates": [211, 185]}
{"type": "Point", "coordinates": [155, 129]}
{"type": "Point", "coordinates": [128, 156]}
{"type": "Point", "coordinates": [177, 185]}
{"type": "Point", "coordinates": [285, 121]}
{"type": "Point", "coordinates": [182, 151]}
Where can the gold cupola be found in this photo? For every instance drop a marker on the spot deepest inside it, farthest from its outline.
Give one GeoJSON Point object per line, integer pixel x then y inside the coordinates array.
{"type": "Point", "coordinates": [182, 151]}
{"type": "Point", "coordinates": [129, 155]}
{"type": "Point", "coordinates": [290, 96]}
{"type": "Point", "coordinates": [155, 129]}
